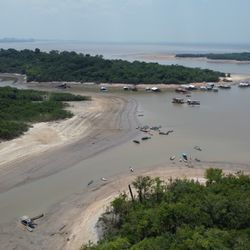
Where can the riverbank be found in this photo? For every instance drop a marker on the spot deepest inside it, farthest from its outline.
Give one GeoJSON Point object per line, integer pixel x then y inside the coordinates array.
{"type": "Point", "coordinates": [81, 227]}
{"type": "Point", "coordinates": [93, 87]}
{"type": "Point", "coordinates": [109, 122]}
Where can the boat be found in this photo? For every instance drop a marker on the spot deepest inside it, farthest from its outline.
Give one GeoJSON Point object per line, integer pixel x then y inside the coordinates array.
{"type": "Point", "coordinates": [181, 90]}
{"type": "Point", "coordinates": [126, 88]}
{"type": "Point", "coordinates": [136, 141]}
{"type": "Point", "coordinates": [103, 179]}
{"type": "Point", "coordinates": [215, 89]}
{"type": "Point", "coordinates": [224, 86]}
{"type": "Point", "coordinates": [244, 85]}
{"type": "Point", "coordinates": [155, 89]}
{"type": "Point", "coordinates": [178, 100]}
{"type": "Point", "coordinates": [134, 88]}
{"type": "Point", "coordinates": [147, 89]}
{"type": "Point", "coordinates": [27, 223]}
{"type": "Point", "coordinates": [103, 88]}
{"type": "Point", "coordinates": [190, 102]}
{"type": "Point", "coordinates": [131, 169]}
{"type": "Point", "coordinates": [145, 138]}
{"type": "Point", "coordinates": [184, 156]}
{"type": "Point", "coordinates": [203, 88]}
{"type": "Point", "coordinates": [172, 157]}
{"type": "Point", "coordinates": [197, 148]}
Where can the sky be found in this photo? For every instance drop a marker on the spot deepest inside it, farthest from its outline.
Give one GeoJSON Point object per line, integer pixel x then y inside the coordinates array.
{"type": "Point", "coordinates": [181, 21]}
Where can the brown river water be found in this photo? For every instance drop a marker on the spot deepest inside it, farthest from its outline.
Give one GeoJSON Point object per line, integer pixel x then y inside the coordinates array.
{"type": "Point", "coordinates": [219, 126]}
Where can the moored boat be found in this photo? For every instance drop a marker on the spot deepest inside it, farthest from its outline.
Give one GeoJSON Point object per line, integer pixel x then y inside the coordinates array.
{"type": "Point", "coordinates": [244, 85]}
{"type": "Point", "coordinates": [178, 100]}
{"type": "Point", "coordinates": [191, 102]}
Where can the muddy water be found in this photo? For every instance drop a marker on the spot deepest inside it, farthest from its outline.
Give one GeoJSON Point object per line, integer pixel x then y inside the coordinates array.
{"type": "Point", "coordinates": [220, 126]}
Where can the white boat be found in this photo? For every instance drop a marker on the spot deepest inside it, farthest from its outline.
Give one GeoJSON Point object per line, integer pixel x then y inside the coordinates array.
{"type": "Point", "coordinates": [103, 88]}
{"type": "Point", "coordinates": [244, 85]}
{"type": "Point", "coordinates": [155, 89]}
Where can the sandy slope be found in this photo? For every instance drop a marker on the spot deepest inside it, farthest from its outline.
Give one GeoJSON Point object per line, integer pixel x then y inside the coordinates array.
{"type": "Point", "coordinates": [44, 136]}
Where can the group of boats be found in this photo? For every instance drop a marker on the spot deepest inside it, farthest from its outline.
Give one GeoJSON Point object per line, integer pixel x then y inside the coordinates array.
{"type": "Point", "coordinates": [132, 88]}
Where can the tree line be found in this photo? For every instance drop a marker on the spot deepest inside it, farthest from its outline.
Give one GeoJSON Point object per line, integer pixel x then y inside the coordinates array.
{"type": "Point", "coordinates": [71, 66]}
{"type": "Point", "coordinates": [244, 56]}
{"type": "Point", "coordinates": [180, 214]}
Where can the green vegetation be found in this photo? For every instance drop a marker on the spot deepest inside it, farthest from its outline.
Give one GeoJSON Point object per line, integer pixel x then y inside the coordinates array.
{"type": "Point", "coordinates": [182, 214]}
{"type": "Point", "coordinates": [20, 108]}
{"type": "Point", "coordinates": [244, 56]}
{"type": "Point", "coordinates": [70, 66]}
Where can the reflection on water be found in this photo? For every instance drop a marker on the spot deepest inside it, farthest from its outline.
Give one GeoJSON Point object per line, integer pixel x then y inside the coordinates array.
{"type": "Point", "coordinates": [220, 126]}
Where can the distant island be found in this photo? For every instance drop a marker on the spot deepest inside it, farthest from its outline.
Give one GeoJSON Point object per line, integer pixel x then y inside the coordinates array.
{"type": "Point", "coordinates": [16, 40]}
{"type": "Point", "coordinates": [244, 56]}
{"type": "Point", "coordinates": [70, 66]}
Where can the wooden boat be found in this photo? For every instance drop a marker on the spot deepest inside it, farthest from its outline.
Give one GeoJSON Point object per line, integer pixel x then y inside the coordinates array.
{"type": "Point", "coordinates": [146, 138]}
{"type": "Point", "coordinates": [178, 100]}
{"type": "Point", "coordinates": [181, 90]}
{"type": "Point", "coordinates": [136, 141]}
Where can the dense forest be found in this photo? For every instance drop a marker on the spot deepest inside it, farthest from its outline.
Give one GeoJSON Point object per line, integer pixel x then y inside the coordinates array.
{"type": "Point", "coordinates": [244, 56]}
{"type": "Point", "coordinates": [180, 215]}
{"type": "Point", "coordinates": [20, 108]}
{"type": "Point", "coordinates": [70, 66]}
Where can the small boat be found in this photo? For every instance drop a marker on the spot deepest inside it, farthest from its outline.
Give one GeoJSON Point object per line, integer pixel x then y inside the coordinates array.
{"type": "Point", "coordinates": [224, 86]}
{"type": "Point", "coordinates": [203, 88]}
{"type": "Point", "coordinates": [181, 90]}
{"type": "Point", "coordinates": [136, 141]}
{"type": "Point", "coordinates": [198, 160]}
{"type": "Point", "coordinates": [244, 85]}
{"type": "Point", "coordinates": [103, 179]}
{"type": "Point", "coordinates": [215, 89]}
{"type": "Point", "coordinates": [178, 100]}
{"type": "Point", "coordinates": [28, 223]}
{"type": "Point", "coordinates": [131, 169]}
{"type": "Point", "coordinates": [166, 133]}
{"type": "Point", "coordinates": [155, 128]}
{"type": "Point", "coordinates": [89, 183]}
{"type": "Point", "coordinates": [126, 88]}
{"type": "Point", "coordinates": [146, 138]}
{"type": "Point", "coordinates": [190, 102]}
{"type": "Point", "coordinates": [172, 157]}
{"type": "Point", "coordinates": [103, 88]}
{"type": "Point", "coordinates": [155, 89]}
{"type": "Point", "coordinates": [147, 89]}
{"type": "Point", "coordinates": [197, 148]}
{"type": "Point", "coordinates": [184, 156]}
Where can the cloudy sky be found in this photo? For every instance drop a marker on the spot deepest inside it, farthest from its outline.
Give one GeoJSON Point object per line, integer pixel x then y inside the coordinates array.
{"type": "Point", "coordinates": [220, 21]}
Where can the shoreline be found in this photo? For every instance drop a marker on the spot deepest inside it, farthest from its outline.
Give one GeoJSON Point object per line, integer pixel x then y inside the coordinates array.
{"type": "Point", "coordinates": [71, 221]}
{"type": "Point", "coordinates": [98, 200]}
